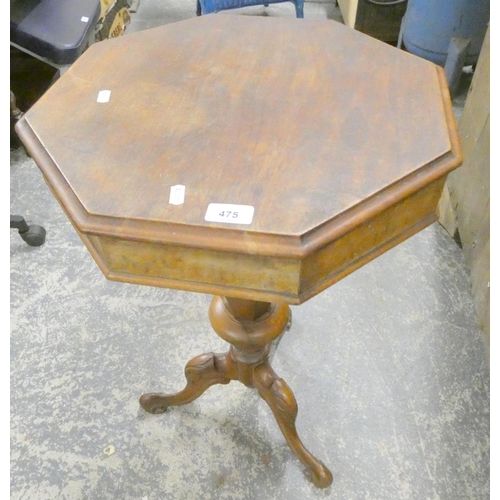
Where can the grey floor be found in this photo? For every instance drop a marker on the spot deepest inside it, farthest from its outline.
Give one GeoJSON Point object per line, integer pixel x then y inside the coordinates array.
{"type": "Point", "coordinates": [387, 366]}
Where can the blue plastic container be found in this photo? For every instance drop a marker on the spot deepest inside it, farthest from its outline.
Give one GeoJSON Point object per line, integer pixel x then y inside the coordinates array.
{"type": "Point", "coordinates": [429, 25]}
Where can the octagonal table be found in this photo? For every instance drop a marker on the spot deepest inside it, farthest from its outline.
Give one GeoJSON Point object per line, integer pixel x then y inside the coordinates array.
{"type": "Point", "coordinates": [257, 159]}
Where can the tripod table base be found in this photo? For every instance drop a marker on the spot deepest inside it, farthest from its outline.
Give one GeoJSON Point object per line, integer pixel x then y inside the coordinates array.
{"type": "Point", "coordinates": [250, 327]}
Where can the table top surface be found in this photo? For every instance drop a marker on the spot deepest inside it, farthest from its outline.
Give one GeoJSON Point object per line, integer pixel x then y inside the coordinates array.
{"type": "Point", "coordinates": [300, 119]}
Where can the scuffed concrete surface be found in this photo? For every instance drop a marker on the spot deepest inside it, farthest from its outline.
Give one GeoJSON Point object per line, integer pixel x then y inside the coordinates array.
{"type": "Point", "coordinates": [387, 367]}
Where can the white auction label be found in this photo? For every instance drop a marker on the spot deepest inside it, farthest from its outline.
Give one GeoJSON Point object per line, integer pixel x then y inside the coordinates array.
{"type": "Point", "coordinates": [231, 214]}
{"type": "Point", "coordinates": [177, 194]}
{"type": "Point", "coordinates": [103, 96]}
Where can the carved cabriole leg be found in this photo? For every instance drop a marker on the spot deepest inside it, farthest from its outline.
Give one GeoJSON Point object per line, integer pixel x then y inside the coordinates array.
{"type": "Point", "coordinates": [201, 373]}
{"type": "Point", "coordinates": [250, 328]}
{"type": "Point", "coordinates": [276, 393]}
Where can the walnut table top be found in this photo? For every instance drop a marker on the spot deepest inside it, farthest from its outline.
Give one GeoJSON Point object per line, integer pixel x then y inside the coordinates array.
{"type": "Point", "coordinates": [332, 145]}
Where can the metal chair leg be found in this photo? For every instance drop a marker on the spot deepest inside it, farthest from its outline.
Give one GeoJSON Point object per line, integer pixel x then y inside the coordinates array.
{"type": "Point", "coordinates": [33, 235]}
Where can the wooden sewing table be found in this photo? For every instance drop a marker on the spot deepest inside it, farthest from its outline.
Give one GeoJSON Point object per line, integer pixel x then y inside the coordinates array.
{"type": "Point", "coordinates": [257, 159]}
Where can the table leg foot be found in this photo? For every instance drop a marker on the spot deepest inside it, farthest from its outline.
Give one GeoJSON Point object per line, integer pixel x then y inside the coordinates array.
{"type": "Point", "coordinates": [276, 393]}
{"type": "Point", "coordinates": [249, 327]}
{"type": "Point", "coordinates": [201, 373]}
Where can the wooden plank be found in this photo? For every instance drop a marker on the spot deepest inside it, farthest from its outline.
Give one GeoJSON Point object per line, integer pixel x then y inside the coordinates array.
{"type": "Point", "coordinates": [469, 188]}
{"type": "Point", "coordinates": [348, 9]}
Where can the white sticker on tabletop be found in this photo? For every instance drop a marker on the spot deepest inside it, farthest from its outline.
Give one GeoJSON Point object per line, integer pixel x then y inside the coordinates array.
{"type": "Point", "coordinates": [84, 19]}
{"type": "Point", "coordinates": [231, 214]}
{"type": "Point", "coordinates": [103, 95]}
{"type": "Point", "coordinates": [177, 194]}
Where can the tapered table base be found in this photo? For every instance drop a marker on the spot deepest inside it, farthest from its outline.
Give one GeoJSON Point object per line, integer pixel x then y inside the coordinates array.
{"type": "Point", "coordinates": [250, 327]}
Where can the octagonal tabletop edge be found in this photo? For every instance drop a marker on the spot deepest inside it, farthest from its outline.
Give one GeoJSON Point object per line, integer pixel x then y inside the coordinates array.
{"type": "Point", "coordinates": [313, 125]}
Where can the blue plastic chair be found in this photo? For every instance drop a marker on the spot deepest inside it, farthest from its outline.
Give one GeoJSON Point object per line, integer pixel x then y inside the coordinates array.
{"type": "Point", "coordinates": [210, 6]}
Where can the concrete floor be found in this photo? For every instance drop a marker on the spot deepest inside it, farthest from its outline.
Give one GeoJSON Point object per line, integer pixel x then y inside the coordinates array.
{"type": "Point", "coordinates": [387, 366]}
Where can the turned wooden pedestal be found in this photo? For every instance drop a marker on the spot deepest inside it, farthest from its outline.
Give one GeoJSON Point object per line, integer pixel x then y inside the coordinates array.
{"type": "Point", "coordinates": [250, 327]}
{"type": "Point", "coordinates": [321, 147]}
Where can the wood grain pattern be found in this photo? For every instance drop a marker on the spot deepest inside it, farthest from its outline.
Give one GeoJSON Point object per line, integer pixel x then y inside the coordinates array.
{"type": "Point", "coordinates": [320, 128]}
{"type": "Point", "coordinates": [469, 189]}
{"type": "Point", "coordinates": [369, 240]}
